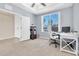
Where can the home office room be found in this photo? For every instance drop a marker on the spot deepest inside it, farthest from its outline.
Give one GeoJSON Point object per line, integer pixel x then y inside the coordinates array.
{"type": "Point", "coordinates": [39, 29]}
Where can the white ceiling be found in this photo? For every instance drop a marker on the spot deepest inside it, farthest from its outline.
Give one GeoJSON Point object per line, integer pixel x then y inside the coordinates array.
{"type": "Point", "coordinates": [40, 9]}
{"type": "Point", "coordinates": [38, 6]}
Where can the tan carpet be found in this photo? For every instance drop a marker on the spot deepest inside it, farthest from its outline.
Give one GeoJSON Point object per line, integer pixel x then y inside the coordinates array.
{"type": "Point", "coordinates": [37, 47]}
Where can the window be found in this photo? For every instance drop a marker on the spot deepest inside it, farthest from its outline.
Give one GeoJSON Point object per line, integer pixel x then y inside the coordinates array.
{"type": "Point", "coordinates": [45, 23]}
{"type": "Point", "coordinates": [51, 19]}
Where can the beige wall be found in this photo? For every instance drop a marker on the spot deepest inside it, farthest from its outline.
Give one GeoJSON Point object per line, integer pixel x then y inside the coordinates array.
{"type": "Point", "coordinates": [6, 25]}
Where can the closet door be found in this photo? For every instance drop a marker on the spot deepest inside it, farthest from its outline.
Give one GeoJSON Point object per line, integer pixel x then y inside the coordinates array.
{"type": "Point", "coordinates": [25, 28]}
{"type": "Point", "coordinates": [18, 19]}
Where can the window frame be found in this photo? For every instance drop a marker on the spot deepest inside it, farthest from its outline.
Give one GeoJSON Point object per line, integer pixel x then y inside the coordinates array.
{"type": "Point", "coordinates": [59, 21]}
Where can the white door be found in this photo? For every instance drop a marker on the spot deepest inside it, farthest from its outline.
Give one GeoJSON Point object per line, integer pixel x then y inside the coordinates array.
{"type": "Point", "coordinates": [18, 26]}
{"type": "Point", "coordinates": [25, 32]}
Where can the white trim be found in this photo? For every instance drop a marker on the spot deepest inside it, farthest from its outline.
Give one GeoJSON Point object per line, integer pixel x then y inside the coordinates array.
{"type": "Point", "coordinates": [8, 11]}
{"type": "Point", "coordinates": [59, 22]}
{"type": "Point", "coordinates": [45, 10]}
{"type": "Point", "coordinates": [43, 37]}
{"type": "Point", "coordinates": [42, 24]}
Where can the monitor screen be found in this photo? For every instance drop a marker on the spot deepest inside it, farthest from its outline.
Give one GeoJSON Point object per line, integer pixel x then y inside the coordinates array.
{"type": "Point", "coordinates": [66, 29]}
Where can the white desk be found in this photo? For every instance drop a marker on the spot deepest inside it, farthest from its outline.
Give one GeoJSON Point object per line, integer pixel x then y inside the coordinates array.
{"type": "Point", "coordinates": [69, 36]}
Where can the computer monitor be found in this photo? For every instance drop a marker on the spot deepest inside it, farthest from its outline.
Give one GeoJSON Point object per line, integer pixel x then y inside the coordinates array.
{"type": "Point", "coordinates": [66, 29]}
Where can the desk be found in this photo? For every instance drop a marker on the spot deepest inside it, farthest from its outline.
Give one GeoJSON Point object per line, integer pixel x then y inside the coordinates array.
{"type": "Point", "coordinates": [69, 39]}
{"type": "Point", "coordinates": [73, 38]}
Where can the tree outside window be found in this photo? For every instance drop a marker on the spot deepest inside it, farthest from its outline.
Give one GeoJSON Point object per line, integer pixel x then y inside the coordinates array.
{"type": "Point", "coordinates": [51, 19]}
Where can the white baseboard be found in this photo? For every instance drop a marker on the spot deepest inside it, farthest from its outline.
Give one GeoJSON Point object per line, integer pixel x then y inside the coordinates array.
{"type": "Point", "coordinates": [41, 37]}
{"type": "Point", "coordinates": [23, 40]}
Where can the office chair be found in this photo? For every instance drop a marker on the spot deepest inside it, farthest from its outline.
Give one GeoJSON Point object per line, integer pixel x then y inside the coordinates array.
{"type": "Point", "coordinates": [54, 38]}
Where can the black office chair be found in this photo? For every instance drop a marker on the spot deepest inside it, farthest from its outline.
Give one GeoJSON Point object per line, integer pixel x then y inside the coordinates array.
{"type": "Point", "coordinates": [54, 38]}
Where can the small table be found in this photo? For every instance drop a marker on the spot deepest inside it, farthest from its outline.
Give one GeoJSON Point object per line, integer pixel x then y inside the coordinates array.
{"type": "Point", "coordinates": [69, 42]}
